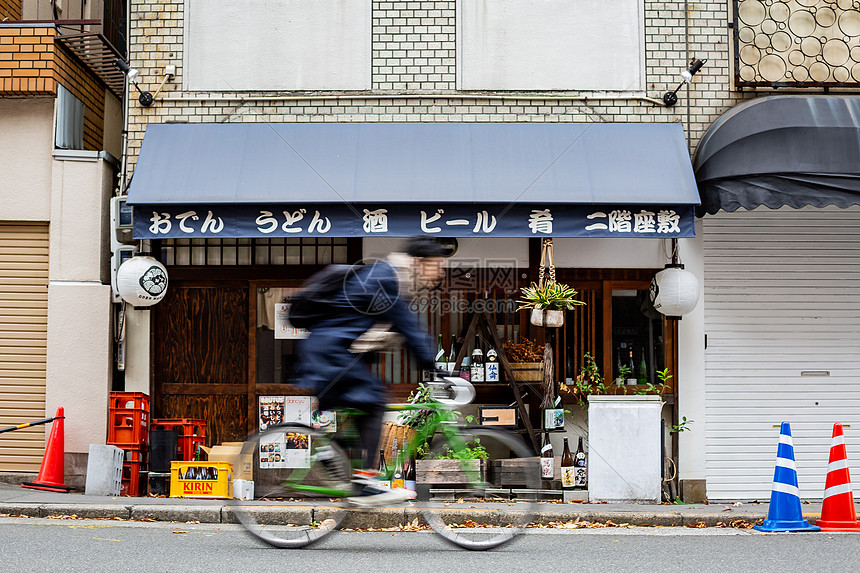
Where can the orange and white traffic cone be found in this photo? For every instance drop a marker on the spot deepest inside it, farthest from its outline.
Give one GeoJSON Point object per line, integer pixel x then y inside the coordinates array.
{"type": "Point", "coordinates": [51, 472]}
{"type": "Point", "coordinates": [837, 511]}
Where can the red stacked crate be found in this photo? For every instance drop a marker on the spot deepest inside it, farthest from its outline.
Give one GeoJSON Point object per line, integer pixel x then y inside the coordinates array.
{"type": "Point", "coordinates": [128, 429]}
{"type": "Point", "coordinates": [190, 432]}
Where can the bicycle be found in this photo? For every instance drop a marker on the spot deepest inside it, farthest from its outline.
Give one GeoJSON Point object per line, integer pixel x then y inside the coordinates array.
{"type": "Point", "coordinates": [329, 470]}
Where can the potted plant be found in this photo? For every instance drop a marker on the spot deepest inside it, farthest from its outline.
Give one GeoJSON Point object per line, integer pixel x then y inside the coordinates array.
{"type": "Point", "coordinates": [525, 359]}
{"type": "Point", "coordinates": [588, 382]}
{"type": "Point", "coordinates": [548, 302]}
{"type": "Point", "coordinates": [450, 467]}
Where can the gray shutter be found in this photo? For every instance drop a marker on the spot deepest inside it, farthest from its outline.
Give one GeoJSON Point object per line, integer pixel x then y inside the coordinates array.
{"type": "Point", "coordinates": [782, 304]}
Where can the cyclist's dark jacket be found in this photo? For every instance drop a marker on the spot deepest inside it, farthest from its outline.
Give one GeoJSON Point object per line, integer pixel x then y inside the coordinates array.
{"type": "Point", "coordinates": [340, 378]}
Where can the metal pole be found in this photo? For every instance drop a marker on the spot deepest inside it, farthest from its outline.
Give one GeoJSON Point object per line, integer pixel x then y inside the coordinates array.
{"type": "Point", "coordinates": [28, 424]}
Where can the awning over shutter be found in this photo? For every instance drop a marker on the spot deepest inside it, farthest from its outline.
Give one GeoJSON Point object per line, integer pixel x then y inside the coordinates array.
{"type": "Point", "coordinates": [450, 179]}
{"type": "Point", "coordinates": [793, 150]}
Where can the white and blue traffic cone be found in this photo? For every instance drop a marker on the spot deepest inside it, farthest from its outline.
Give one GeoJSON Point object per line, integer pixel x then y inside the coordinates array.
{"type": "Point", "coordinates": [784, 513]}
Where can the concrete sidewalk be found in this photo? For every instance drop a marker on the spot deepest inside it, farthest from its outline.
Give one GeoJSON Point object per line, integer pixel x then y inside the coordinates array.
{"type": "Point", "coordinates": [16, 500]}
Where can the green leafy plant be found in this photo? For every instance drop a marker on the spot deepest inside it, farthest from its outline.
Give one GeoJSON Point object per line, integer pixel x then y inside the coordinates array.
{"type": "Point", "coordinates": [472, 451]}
{"type": "Point", "coordinates": [550, 296]}
{"type": "Point", "coordinates": [416, 418]}
{"type": "Point", "coordinates": [621, 376]}
{"type": "Point", "coordinates": [588, 381]}
{"type": "Point", "coordinates": [681, 426]}
{"type": "Point", "coordinates": [650, 388]}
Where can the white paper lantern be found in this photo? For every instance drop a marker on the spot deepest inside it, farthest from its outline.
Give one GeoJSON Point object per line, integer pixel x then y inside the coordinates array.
{"type": "Point", "coordinates": [142, 281]}
{"type": "Point", "coordinates": [674, 291]}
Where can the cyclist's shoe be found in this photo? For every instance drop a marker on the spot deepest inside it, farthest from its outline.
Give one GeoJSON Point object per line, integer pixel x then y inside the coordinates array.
{"type": "Point", "coordinates": [327, 456]}
{"type": "Point", "coordinates": [371, 492]}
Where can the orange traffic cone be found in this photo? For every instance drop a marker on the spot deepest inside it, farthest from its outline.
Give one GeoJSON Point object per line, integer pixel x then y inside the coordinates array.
{"type": "Point", "coordinates": [51, 472]}
{"type": "Point", "coordinates": [837, 511]}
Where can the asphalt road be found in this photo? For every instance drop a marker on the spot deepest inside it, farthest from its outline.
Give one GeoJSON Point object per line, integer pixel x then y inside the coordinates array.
{"type": "Point", "coordinates": [118, 546]}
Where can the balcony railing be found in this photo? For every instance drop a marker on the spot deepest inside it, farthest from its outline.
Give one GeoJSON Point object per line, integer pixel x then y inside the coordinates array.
{"type": "Point", "coordinates": [94, 30]}
{"type": "Point", "coordinates": [796, 43]}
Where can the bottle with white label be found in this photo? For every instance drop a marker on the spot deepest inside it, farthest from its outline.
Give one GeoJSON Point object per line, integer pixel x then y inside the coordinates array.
{"type": "Point", "coordinates": [547, 459]}
{"type": "Point", "coordinates": [440, 362]}
{"type": "Point", "coordinates": [567, 470]}
{"type": "Point", "coordinates": [580, 467]}
{"type": "Point", "coordinates": [491, 367]}
{"type": "Point", "coordinates": [477, 363]}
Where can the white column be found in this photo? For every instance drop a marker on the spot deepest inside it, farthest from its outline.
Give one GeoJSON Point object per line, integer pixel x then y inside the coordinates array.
{"type": "Point", "coordinates": [691, 367]}
{"type": "Point", "coordinates": [137, 350]}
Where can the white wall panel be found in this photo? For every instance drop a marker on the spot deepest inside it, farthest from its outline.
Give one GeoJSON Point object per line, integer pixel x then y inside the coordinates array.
{"type": "Point", "coordinates": [233, 45]}
{"type": "Point", "coordinates": [590, 45]}
{"type": "Point", "coordinates": [782, 304]}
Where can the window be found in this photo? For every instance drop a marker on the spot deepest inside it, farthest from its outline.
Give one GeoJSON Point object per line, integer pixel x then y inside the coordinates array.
{"type": "Point", "coordinates": [245, 252]}
{"type": "Point", "coordinates": [70, 121]}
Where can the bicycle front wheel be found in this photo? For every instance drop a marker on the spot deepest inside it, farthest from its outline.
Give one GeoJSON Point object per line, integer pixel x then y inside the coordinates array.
{"type": "Point", "coordinates": [492, 500]}
{"type": "Point", "coordinates": [301, 477]}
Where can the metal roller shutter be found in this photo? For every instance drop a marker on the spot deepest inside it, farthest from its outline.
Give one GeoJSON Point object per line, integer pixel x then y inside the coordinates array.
{"type": "Point", "coordinates": [782, 318]}
{"type": "Point", "coordinates": [23, 342]}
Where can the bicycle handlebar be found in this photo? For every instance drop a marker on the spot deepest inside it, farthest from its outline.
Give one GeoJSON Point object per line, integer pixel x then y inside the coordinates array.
{"type": "Point", "coordinates": [452, 391]}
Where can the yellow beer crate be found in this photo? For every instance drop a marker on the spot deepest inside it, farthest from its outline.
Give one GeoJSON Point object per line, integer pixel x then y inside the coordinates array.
{"type": "Point", "coordinates": [208, 480]}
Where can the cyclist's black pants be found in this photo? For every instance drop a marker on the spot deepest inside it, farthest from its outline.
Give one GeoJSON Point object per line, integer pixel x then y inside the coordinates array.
{"type": "Point", "coordinates": [369, 428]}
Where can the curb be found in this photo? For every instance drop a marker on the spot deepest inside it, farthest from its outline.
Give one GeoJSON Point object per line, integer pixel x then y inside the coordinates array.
{"type": "Point", "coordinates": [377, 518]}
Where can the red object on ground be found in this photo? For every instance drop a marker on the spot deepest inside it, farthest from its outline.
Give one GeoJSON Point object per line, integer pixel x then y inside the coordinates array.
{"type": "Point", "coordinates": [51, 472]}
{"type": "Point", "coordinates": [837, 511]}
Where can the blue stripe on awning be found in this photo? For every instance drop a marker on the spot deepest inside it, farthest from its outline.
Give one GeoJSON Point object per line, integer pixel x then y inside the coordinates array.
{"type": "Point", "coordinates": [388, 163]}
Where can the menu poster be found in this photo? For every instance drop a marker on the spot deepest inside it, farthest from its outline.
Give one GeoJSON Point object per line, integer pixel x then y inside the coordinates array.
{"type": "Point", "coordinates": [271, 411]}
{"type": "Point", "coordinates": [297, 409]}
{"type": "Point", "coordinates": [285, 450]}
{"type": "Point", "coordinates": [283, 328]}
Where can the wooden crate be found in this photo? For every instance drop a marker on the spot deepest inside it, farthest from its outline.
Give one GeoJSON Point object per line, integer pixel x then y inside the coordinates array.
{"type": "Point", "coordinates": [527, 371]}
{"type": "Point", "coordinates": [512, 472]}
{"type": "Point", "coordinates": [448, 471]}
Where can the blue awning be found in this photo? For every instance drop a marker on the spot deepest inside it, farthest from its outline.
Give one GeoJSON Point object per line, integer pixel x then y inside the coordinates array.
{"type": "Point", "coordinates": [588, 178]}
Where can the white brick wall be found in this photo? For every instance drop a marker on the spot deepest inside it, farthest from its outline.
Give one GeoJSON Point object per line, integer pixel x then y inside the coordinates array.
{"type": "Point", "coordinates": [413, 75]}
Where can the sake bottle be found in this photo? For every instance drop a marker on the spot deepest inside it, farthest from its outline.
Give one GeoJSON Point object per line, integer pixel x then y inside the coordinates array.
{"type": "Point", "coordinates": [383, 470]}
{"type": "Point", "coordinates": [397, 477]}
{"type": "Point", "coordinates": [580, 463]}
{"type": "Point", "coordinates": [568, 478]}
{"type": "Point", "coordinates": [547, 459]}
{"type": "Point", "coordinates": [440, 363]}
{"type": "Point", "coordinates": [477, 362]}
{"type": "Point", "coordinates": [491, 367]}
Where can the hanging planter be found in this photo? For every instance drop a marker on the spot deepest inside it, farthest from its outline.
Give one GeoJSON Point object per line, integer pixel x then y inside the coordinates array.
{"type": "Point", "coordinates": [548, 299]}
{"type": "Point", "coordinates": [550, 318]}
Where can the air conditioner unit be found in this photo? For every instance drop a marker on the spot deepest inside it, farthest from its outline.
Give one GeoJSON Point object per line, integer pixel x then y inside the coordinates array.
{"type": "Point", "coordinates": [121, 220]}
{"type": "Point", "coordinates": [120, 255]}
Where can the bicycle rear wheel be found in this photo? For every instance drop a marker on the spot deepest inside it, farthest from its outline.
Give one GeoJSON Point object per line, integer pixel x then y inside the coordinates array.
{"type": "Point", "coordinates": [293, 506]}
{"type": "Point", "coordinates": [489, 508]}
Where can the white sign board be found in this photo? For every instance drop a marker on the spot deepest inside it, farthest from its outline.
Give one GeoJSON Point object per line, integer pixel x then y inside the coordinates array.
{"type": "Point", "coordinates": [283, 328]}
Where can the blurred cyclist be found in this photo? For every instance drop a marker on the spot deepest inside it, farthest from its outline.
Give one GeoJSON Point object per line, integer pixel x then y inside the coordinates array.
{"type": "Point", "coordinates": [369, 314]}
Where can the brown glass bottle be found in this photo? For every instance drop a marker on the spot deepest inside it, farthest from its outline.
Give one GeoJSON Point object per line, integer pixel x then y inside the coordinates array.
{"type": "Point", "coordinates": [567, 468]}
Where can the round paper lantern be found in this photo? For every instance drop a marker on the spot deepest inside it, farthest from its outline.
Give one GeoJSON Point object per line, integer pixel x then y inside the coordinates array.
{"type": "Point", "coordinates": [141, 281]}
{"type": "Point", "coordinates": [674, 291]}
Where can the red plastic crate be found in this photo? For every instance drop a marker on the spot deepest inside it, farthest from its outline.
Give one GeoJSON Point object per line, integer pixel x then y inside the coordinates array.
{"type": "Point", "coordinates": [182, 426]}
{"type": "Point", "coordinates": [138, 456]}
{"type": "Point", "coordinates": [132, 478]}
{"type": "Point", "coordinates": [128, 427]}
{"type": "Point", "coordinates": [187, 446]}
{"type": "Point", "coordinates": [129, 401]}
{"type": "Point", "coordinates": [190, 432]}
